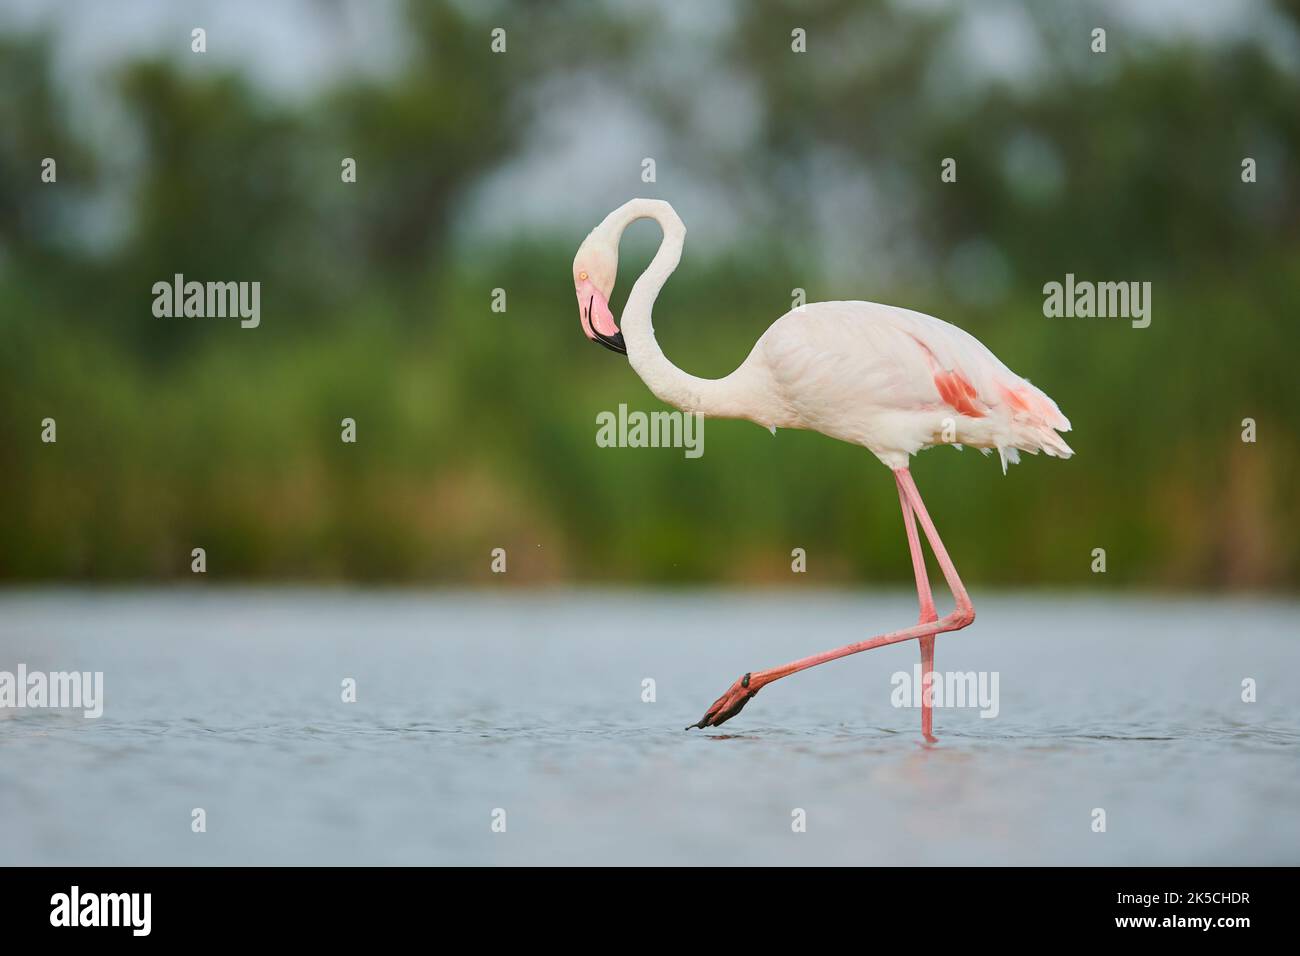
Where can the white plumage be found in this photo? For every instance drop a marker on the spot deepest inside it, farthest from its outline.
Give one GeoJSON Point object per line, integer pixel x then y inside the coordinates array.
{"type": "Point", "coordinates": [895, 382]}
{"type": "Point", "coordinates": [889, 379]}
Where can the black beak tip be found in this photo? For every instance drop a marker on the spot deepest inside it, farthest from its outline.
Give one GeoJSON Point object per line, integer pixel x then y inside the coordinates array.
{"type": "Point", "coordinates": [613, 342]}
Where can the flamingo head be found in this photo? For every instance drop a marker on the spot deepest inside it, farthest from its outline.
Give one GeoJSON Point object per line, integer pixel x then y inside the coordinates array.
{"type": "Point", "coordinates": [594, 269]}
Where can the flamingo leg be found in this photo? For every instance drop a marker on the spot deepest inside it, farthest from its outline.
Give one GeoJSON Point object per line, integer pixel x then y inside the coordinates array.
{"type": "Point", "coordinates": [731, 703]}
{"type": "Point", "coordinates": [928, 613]}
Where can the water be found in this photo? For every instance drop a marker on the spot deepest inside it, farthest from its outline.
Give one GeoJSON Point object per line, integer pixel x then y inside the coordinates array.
{"type": "Point", "coordinates": [231, 701]}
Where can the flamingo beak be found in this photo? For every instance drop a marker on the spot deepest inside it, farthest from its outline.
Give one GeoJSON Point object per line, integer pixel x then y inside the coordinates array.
{"type": "Point", "coordinates": [596, 318]}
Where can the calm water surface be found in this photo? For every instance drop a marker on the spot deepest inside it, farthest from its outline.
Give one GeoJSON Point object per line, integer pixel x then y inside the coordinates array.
{"type": "Point", "coordinates": [231, 701]}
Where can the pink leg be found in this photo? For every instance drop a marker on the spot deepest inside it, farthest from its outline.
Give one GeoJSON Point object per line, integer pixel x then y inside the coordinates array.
{"type": "Point", "coordinates": [928, 613]}
{"type": "Point", "coordinates": [730, 703]}
{"type": "Point", "coordinates": [927, 680]}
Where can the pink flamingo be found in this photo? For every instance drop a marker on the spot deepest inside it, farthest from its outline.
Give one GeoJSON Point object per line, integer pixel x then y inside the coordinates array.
{"type": "Point", "coordinates": [891, 380]}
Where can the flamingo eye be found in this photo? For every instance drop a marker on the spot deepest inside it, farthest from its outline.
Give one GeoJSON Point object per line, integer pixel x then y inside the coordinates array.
{"type": "Point", "coordinates": [582, 276]}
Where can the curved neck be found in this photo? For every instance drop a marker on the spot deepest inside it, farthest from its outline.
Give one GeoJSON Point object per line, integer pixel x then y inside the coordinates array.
{"type": "Point", "coordinates": [714, 397]}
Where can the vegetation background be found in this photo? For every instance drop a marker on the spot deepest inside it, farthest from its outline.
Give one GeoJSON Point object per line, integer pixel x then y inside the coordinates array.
{"type": "Point", "coordinates": [481, 170]}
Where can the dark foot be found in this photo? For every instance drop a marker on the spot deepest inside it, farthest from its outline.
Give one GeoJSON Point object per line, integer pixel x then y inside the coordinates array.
{"type": "Point", "coordinates": [729, 704]}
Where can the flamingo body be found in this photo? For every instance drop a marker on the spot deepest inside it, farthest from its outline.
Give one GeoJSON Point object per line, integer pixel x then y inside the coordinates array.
{"type": "Point", "coordinates": [895, 382]}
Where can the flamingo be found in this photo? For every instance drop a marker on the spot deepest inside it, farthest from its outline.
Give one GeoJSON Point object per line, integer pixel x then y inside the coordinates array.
{"type": "Point", "coordinates": [889, 379]}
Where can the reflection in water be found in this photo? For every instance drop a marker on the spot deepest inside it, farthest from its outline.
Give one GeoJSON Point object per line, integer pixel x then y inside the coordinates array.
{"type": "Point", "coordinates": [232, 702]}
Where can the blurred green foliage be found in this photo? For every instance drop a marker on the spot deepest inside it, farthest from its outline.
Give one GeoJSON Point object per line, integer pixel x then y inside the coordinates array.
{"type": "Point", "coordinates": [476, 430]}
